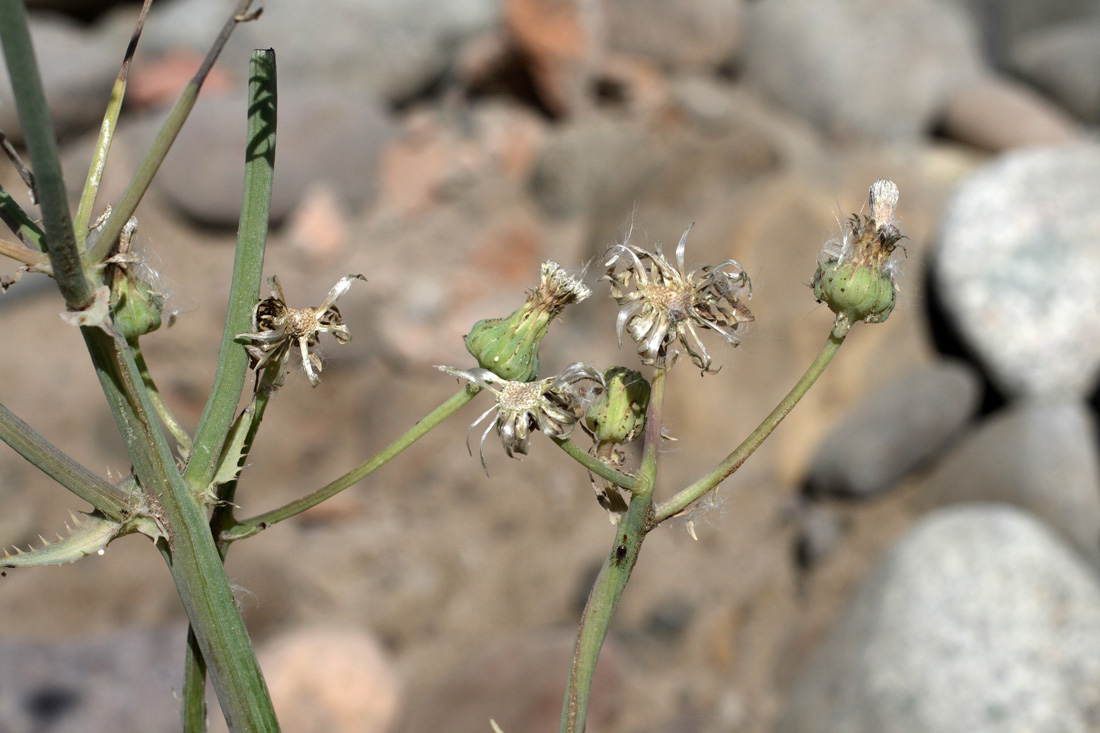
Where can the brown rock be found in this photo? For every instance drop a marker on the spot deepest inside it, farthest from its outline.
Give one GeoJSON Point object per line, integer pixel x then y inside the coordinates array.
{"type": "Point", "coordinates": [519, 683]}
{"type": "Point", "coordinates": [318, 226]}
{"type": "Point", "coordinates": [562, 43]}
{"type": "Point", "coordinates": [331, 681]}
{"type": "Point", "coordinates": [682, 35]}
{"type": "Point", "coordinates": [159, 82]}
{"type": "Point", "coordinates": [433, 159]}
{"type": "Point", "coordinates": [997, 114]}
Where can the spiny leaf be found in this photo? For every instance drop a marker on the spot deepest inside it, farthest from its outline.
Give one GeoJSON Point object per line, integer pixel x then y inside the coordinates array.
{"type": "Point", "coordinates": [229, 464]}
{"type": "Point", "coordinates": [89, 533]}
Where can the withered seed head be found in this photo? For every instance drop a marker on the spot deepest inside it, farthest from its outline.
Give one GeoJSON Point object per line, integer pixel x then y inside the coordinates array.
{"type": "Point", "coordinates": [662, 304]}
{"type": "Point", "coordinates": [277, 328]}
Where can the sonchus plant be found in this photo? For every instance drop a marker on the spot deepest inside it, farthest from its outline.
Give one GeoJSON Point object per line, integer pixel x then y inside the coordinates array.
{"type": "Point", "coordinates": [183, 499]}
{"type": "Point", "coordinates": [664, 309]}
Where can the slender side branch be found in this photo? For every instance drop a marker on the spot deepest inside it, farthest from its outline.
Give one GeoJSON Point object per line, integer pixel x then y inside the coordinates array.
{"type": "Point", "coordinates": [134, 192]}
{"type": "Point", "coordinates": [20, 167]}
{"type": "Point", "coordinates": [22, 225]}
{"type": "Point", "coordinates": [247, 527]}
{"type": "Point", "coordinates": [106, 133]}
{"type": "Point", "coordinates": [38, 130]}
{"type": "Point", "coordinates": [100, 493]}
{"type": "Point", "coordinates": [244, 291]}
{"type": "Point", "coordinates": [733, 461]}
{"type": "Point", "coordinates": [595, 465]}
{"type": "Point", "coordinates": [193, 706]}
{"type": "Point", "coordinates": [28, 257]}
{"type": "Point", "coordinates": [248, 265]}
{"type": "Point", "coordinates": [163, 411]}
{"type": "Point", "coordinates": [615, 573]}
{"type": "Point", "coordinates": [189, 547]}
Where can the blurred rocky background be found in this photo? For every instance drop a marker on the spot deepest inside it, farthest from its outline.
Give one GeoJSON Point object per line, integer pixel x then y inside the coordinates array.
{"type": "Point", "coordinates": [915, 549]}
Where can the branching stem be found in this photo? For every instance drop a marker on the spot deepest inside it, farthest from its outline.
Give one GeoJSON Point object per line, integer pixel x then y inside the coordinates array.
{"type": "Point", "coordinates": [247, 527]}
{"type": "Point", "coordinates": [595, 465]}
{"type": "Point", "coordinates": [609, 585]}
{"type": "Point", "coordinates": [733, 461]}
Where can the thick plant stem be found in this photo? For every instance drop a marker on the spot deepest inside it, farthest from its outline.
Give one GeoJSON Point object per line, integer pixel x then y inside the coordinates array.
{"type": "Point", "coordinates": [217, 415]}
{"type": "Point", "coordinates": [683, 499]}
{"type": "Point", "coordinates": [41, 141]}
{"type": "Point", "coordinates": [247, 527]}
{"type": "Point", "coordinates": [188, 545]}
{"type": "Point", "coordinates": [248, 265]}
{"type": "Point", "coordinates": [615, 573]}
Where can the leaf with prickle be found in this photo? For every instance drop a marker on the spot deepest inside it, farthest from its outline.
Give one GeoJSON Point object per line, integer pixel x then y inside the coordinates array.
{"type": "Point", "coordinates": [229, 464]}
{"type": "Point", "coordinates": [88, 534]}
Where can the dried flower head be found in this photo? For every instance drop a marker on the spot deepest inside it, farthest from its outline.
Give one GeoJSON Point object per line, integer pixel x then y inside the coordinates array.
{"type": "Point", "coordinates": [667, 303]}
{"type": "Point", "coordinates": [855, 275]}
{"type": "Point", "coordinates": [509, 347]}
{"type": "Point", "coordinates": [552, 405]}
{"type": "Point", "coordinates": [276, 328]}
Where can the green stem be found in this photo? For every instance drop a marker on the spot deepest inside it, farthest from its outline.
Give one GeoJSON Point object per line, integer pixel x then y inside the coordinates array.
{"type": "Point", "coordinates": [106, 134]}
{"type": "Point", "coordinates": [193, 707]}
{"type": "Point", "coordinates": [222, 518]}
{"type": "Point", "coordinates": [188, 545]}
{"type": "Point", "coordinates": [100, 493]}
{"type": "Point", "coordinates": [163, 412]}
{"type": "Point", "coordinates": [733, 461]}
{"type": "Point", "coordinates": [134, 192]}
{"type": "Point", "coordinates": [247, 527]}
{"type": "Point", "coordinates": [613, 577]}
{"type": "Point", "coordinates": [20, 223]}
{"type": "Point", "coordinates": [38, 131]}
{"type": "Point", "coordinates": [248, 264]}
{"type": "Point", "coordinates": [232, 370]}
{"type": "Point", "coordinates": [595, 465]}
{"type": "Point", "coordinates": [28, 257]}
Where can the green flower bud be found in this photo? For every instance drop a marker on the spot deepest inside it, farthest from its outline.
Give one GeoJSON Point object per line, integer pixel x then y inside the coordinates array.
{"type": "Point", "coordinates": [135, 307]}
{"type": "Point", "coordinates": [854, 291]}
{"type": "Point", "coordinates": [618, 414]}
{"type": "Point", "coordinates": [854, 276]}
{"type": "Point", "coordinates": [509, 347]}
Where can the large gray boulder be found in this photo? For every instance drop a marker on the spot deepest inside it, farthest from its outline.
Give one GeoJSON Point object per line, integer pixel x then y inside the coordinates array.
{"type": "Point", "coordinates": [1040, 457]}
{"type": "Point", "coordinates": [895, 427]}
{"type": "Point", "coordinates": [1018, 269]}
{"type": "Point", "coordinates": [979, 620]}
{"type": "Point", "coordinates": [860, 69]}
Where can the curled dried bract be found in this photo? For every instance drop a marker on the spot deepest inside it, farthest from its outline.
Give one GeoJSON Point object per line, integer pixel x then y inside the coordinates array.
{"type": "Point", "coordinates": [277, 328]}
{"type": "Point", "coordinates": [663, 304]}
{"type": "Point", "coordinates": [552, 405]}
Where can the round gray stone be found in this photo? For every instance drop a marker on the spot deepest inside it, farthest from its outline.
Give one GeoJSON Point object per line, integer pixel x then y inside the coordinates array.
{"type": "Point", "coordinates": [1062, 61]}
{"type": "Point", "coordinates": [1039, 457]}
{"type": "Point", "coordinates": [684, 35]}
{"type": "Point", "coordinates": [1018, 269]}
{"type": "Point", "coordinates": [979, 620]}
{"type": "Point", "coordinates": [1006, 21]}
{"type": "Point", "coordinates": [123, 681]}
{"type": "Point", "coordinates": [895, 427]}
{"type": "Point", "coordinates": [77, 65]}
{"type": "Point", "coordinates": [860, 69]}
{"type": "Point", "coordinates": [391, 48]}
{"type": "Point", "coordinates": [324, 134]}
